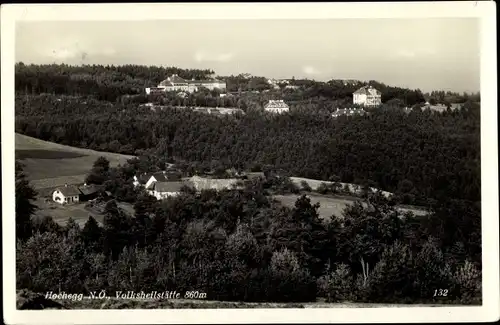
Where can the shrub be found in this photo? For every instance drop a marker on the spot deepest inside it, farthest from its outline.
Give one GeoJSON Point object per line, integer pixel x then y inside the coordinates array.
{"type": "Point", "coordinates": [392, 277]}
{"type": "Point", "coordinates": [323, 188]}
{"type": "Point", "coordinates": [305, 186]}
{"type": "Point", "coordinates": [337, 285]}
{"type": "Point", "coordinates": [467, 283]}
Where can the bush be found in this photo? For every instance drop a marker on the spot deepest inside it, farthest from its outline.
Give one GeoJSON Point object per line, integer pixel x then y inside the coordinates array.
{"type": "Point", "coordinates": [305, 186]}
{"type": "Point", "coordinates": [288, 281]}
{"type": "Point", "coordinates": [392, 278]}
{"type": "Point", "coordinates": [323, 188]}
{"type": "Point", "coordinates": [467, 283]}
{"type": "Point", "coordinates": [337, 285]}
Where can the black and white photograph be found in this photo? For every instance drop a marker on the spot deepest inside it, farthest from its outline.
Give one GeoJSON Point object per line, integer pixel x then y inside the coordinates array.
{"type": "Point", "coordinates": [250, 162]}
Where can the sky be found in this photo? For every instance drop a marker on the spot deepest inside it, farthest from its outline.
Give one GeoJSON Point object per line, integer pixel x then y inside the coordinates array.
{"type": "Point", "coordinates": [428, 54]}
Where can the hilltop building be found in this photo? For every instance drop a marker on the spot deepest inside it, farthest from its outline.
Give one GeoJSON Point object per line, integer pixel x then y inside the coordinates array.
{"type": "Point", "coordinates": [176, 83]}
{"type": "Point", "coordinates": [367, 96]}
{"type": "Point", "coordinates": [276, 106]}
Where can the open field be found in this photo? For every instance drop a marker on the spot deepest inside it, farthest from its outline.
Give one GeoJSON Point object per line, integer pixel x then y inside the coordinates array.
{"type": "Point", "coordinates": [314, 184]}
{"type": "Point", "coordinates": [330, 205]}
{"type": "Point", "coordinates": [48, 164]}
{"type": "Point", "coordinates": [61, 213]}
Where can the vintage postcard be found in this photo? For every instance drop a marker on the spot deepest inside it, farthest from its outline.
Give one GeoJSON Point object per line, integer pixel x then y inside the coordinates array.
{"type": "Point", "coordinates": [250, 163]}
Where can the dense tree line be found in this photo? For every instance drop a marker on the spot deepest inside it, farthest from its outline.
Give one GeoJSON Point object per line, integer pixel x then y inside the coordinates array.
{"type": "Point", "coordinates": [243, 246]}
{"type": "Point", "coordinates": [420, 155]}
{"type": "Point", "coordinates": [112, 83]}
{"type": "Point", "coordinates": [103, 82]}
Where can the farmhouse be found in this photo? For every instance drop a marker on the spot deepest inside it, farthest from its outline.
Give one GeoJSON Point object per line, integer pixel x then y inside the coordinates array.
{"type": "Point", "coordinates": [74, 194]}
{"type": "Point", "coordinates": [276, 106]}
{"type": "Point", "coordinates": [162, 190]}
{"type": "Point", "coordinates": [176, 83]}
{"type": "Point", "coordinates": [142, 179]}
{"type": "Point", "coordinates": [348, 111]}
{"type": "Point", "coordinates": [66, 194]}
{"type": "Point", "coordinates": [367, 96]}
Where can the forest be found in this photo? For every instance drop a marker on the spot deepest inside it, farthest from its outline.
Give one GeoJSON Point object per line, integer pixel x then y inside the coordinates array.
{"type": "Point", "coordinates": [423, 155]}
{"type": "Point", "coordinates": [241, 245]}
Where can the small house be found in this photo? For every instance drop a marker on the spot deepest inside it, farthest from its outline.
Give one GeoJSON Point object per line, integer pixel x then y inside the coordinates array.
{"type": "Point", "coordinates": [162, 190]}
{"type": "Point", "coordinates": [66, 194]}
{"type": "Point", "coordinates": [276, 106]}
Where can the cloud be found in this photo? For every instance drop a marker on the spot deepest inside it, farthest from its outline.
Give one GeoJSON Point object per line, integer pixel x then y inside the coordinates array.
{"type": "Point", "coordinates": [309, 70]}
{"type": "Point", "coordinates": [202, 56]}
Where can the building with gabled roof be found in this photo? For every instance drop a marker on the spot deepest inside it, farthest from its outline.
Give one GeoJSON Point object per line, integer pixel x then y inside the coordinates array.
{"type": "Point", "coordinates": [66, 194]}
{"type": "Point", "coordinates": [176, 83]}
{"type": "Point", "coordinates": [162, 190]}
{"type": "Point", "coordinates": [367, 96]}
{"type": "Point", "coordinates": [276, 106]}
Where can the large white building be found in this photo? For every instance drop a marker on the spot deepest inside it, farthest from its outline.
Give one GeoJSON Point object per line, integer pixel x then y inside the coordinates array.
{"type": "Point", "coordinates": [367, 96]}
{"type": "Point", "coordinates": [276, 106]}
{"type": "Point", "coordinates": [176, 83]}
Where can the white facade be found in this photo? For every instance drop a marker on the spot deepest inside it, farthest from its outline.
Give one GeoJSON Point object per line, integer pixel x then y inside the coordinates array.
{"type": "Point", "coordinates": [176, 83]}
{"type": "Point", "coordinates": [59, 197]}
{"type": "Point", "coordinates": [162, 195]}
{"type": "Point", "coordinates": [276, 106]}
{"type": "Point", "coordinates": [367, 96]}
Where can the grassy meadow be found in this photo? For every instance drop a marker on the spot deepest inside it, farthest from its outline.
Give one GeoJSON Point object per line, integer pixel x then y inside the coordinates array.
{"type": "Point", "coordinates": [48, 164]}
{"type": "Point", "coordinates": [330, 205]}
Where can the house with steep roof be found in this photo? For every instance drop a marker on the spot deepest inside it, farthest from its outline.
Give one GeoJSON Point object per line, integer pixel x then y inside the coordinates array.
{"type": "Point", "coordinates": [66, 194]}
{"type": "Point", "coordinates": [176, 83]}
{"type": "Point", "coordinates": [163, 176]}
{"type": "Point", "coordinates": [162, 190]}
{"type": "Point", "coordinates": [142, 179]}
{"type": "Point", "coordinates": [352, 111]}
{"type": "Point", "coordinates": [367, 96]}
{"type": "Point", "coordinates": [276, 106]}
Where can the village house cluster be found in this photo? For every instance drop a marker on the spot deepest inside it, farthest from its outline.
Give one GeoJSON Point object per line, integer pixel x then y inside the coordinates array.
{"type": "Point", "coordinates": [176, 83]}
{"type": "Point", "coordinates": [166, 184]}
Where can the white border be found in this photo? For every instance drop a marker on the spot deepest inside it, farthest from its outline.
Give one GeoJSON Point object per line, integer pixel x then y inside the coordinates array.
{"type": "Point", "coordinates": [485, 11]}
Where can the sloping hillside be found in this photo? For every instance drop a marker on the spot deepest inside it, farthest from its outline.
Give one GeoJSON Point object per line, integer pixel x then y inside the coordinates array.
{"type": "Point", "coordinates": [49, 164]}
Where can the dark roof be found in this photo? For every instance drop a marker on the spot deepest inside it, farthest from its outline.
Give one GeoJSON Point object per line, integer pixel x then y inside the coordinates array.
{"type": "Point", "coordinates": [160, 177]}
{"type": "Point", "coordinates": [144, 177]}
{"type": "Point", "coordinates": [68, 190]}
{"type": "Point", "coordinates": [367, 90]}
{"type": "Point", "coordinates": [90, 189]}
{"type": "Point", "coordinates": [168, 186]}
